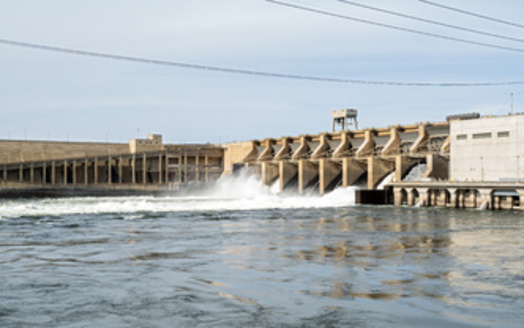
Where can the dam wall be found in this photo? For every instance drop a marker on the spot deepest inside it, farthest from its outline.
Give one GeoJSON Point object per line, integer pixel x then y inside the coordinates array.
{"type": "Point", "coordinates": [153, 171]}
{"type": "Point", "coordinates": [13, 151]}
{"type": "Point", "coordinates": [323, 162]}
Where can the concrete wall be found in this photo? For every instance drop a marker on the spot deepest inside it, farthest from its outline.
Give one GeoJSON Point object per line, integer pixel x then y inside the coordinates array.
{"type": "Point", "coordinates": [24, 151]}
{"type": "Point", "coordinates": [487, 149]}
{"type": "Point", "coordinates": [235, 153]}
{"type": "Point", "coordinates": [152, 143]}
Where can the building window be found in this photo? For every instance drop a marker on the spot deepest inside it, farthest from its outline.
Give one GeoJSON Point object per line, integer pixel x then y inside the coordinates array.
{"type": "Point", "coordinates": [485, 135]}
{"type": "Point", "coordinates": [503, 134]}
{"type": "Point", "coordinates": [462, 136]}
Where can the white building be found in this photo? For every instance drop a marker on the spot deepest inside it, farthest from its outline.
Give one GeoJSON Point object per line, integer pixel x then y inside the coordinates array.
{"type": "Point", "coordinates": [489, 149]}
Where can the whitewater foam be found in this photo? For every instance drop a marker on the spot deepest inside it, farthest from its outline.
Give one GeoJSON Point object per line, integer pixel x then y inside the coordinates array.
{"type": "Point", "coordinates": [242, 191]}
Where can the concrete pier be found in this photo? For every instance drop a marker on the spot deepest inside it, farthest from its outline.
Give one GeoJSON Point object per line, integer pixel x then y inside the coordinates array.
{"type": "Point", "coordinates": [478, 195]}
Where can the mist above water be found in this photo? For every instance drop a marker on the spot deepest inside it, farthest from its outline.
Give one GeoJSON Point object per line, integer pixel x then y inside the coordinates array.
{"type": "Point", "coordinates": [416, 173]}
{"type": "Point", "coordinates": [242, 191]}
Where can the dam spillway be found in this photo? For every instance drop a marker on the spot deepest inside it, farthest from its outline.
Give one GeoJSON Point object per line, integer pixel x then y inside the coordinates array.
{"type": "Point", "coordinates": [325, 161]}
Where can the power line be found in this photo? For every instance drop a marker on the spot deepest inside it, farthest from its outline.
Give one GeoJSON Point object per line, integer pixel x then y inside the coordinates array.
{"type": "Point", "coordinates": [429, 21]}
{"type": "Point", "coordinates": [465, 12]}
{"type": "Point", "coordinates": [247, 72]}
{"type": "Point", "coordinates": [394, 27]}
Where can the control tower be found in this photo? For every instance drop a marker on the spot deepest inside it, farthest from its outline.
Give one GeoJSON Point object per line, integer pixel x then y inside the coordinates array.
{"type": "Point", "coordinates": [344, 118]}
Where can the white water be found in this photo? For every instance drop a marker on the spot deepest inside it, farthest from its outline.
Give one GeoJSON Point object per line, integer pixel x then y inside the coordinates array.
{"type": "Point", "coordinates": [416, 173]}
{"type": "Point", "coordinates": [388, 179]}
{"type": "Point", "coordinates": [240, 192]}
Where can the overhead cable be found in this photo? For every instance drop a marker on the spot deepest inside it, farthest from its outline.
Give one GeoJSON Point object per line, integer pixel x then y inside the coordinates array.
{"type": "Point", "coordinates": [429, 21]}
{"type": "Point", "coordinates": [247, 72]}
{"type": "Point", "coordinates": [465, 12]}
{"type": "Point", "coordinates": [394, 27]}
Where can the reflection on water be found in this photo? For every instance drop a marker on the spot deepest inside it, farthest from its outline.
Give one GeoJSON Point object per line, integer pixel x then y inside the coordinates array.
{"type": "Point", "coordinates": [307, 267]}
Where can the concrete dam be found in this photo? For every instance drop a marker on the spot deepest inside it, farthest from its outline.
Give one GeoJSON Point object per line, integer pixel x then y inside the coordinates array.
{"type": "Point", "coordinates": [142, 167]}
{"type": "Point", "coordinates": [320, 162]}
{"type": "Point", "coordinates": [365, 157]}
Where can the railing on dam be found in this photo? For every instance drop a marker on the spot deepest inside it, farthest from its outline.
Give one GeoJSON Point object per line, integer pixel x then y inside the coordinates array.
{"type": "Point", "coordinates": [169, 168]}
{"type": "Point", "coordinates": [325, 161]}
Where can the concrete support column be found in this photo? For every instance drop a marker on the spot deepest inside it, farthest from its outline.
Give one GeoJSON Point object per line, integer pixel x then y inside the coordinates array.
{"type": "Point", "coordinates": [433, 197]}
{"type": "Point", "coordinates": [166, 165]}
{"type": "Point", "coordinates": [393, 144]}
{"type": "Point", "coordinates": [322, 147]}
{"type": "Point", "coordinates": [109, 170]}
{"type": "Point", "coordinates": [397, 196]}
{"type": "Point", "coordinates": [133, 169]}
{"type": "Point", "coordinates": [144, 168]}
{"type": "Point", "coordinates": [378, 169]}
{"type": "Point", "coordinates": [186, 173]}
{"type": "Point", "coordinates": [421, 141]}
{"type": "Point", "coordinates": [206, 176]}
{"type": "Point", "coordinates": [86, 171]}
{"type": "Point", "coordinates": [367, 147]}
{"type": "Point", "coordinates": [288, 171]}
{"type": "Point", "coordinates": [496, 203]}
{"type": "Point", "coordinates": [352, 170]}
{"type": "Point", "coordinates": [160, 168]}
{"type": "Point", "coordinates": [461, 199]}
{"type": "Point", "coordinates": [197, 166]}
{"type": "Point", "coordinates": [302, 150]}
{"type": "Point", "coordinates": [74, 171]}
{"type": "Point", "coordinates": [44, 173]}
{"type": "Point", "coordinates": [521, 199]}
{"type": "Point", "coordinates": [95, 168]}
{"type": "Point", "coordinates": [441, 199]}
{"type": "Point", "coordinates": [53, 172]}
{"type": "Point", "coordinates": [344, 146]}
{"type": "Point", "coordinates": [411, 197]}
{"type": "Point", "coordinates": [270, 172]}
{"type": "Point", "coordinates": [65, 172]}
{"type": "Point", "coordinates": [307, 175]}
{"type": "Point", "coordinates": [32, 173]}
{"type": "Point", "coordinates": [21, 173]}
{"type": "Point", "coordinates": [424, 197]}
{"type": "Point", "coordinates": [284, 151]}
{"type": "Point", "coordinates": [180, 180]}
{"type": "Point", "coordinates": [120, 170]}
{"type": "Point", "coordinates": [328, 172]}
{"type": "Point", "coordinates": [267, 153]}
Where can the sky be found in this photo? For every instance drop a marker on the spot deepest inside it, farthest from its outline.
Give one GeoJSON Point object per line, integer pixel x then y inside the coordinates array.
{"type": "Point", "coordinates": [56, 96]}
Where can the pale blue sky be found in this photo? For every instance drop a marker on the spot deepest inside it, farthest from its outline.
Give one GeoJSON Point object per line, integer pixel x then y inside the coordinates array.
{"type": "Point", "coordinates": [46, 95]}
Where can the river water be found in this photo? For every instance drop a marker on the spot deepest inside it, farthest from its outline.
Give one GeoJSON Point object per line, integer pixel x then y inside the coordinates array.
{"type": "Point", "coordinates": [239, 255]}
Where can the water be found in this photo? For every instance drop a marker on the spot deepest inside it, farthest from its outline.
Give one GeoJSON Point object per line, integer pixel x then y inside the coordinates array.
{"type": "Point", "coordinates": [240, 255]}
{"type": "Point", "coordinates": [416, 173]}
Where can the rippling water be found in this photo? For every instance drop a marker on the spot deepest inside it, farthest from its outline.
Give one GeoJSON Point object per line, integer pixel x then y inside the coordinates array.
{"type": "Point", "coordinates": [246, 257]}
